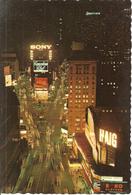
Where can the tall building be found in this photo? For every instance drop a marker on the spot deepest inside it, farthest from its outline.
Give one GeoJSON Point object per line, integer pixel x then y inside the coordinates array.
{"type": "Point", "coordinates": [82, 92]}
{"type": "Point", "coordinates": [11, 64]}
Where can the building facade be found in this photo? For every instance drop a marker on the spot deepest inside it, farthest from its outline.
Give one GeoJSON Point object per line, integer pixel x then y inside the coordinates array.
{"type": "Point", "coordinates": [82, 92]}
{"type": "Point", "coordinates": [102, 149]}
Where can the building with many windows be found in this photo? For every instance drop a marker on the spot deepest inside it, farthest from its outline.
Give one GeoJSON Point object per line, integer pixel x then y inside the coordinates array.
{"type": "Point", "coordinates": [82, 92]}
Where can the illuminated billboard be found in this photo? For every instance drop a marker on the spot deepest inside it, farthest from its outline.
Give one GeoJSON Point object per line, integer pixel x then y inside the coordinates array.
{"type": "Point", "coordinates": [108, 138]}
{"type": "Point", "coordinates": [41, 95]}
{"type": "Point", "coordinates": [40, 66]}
{"type": "Point", "coordinates": [114, 187]}
{"type": "Point", "coordinates": [104, 142]}
{"type": "Point", "coordinates": [8, 80]}
{"type": "Point", "coordinates": [41, 51]}
{"type": "Point", "coordinates": [40, 47]}
{"type": "Point", "coordinates": [41, 83]}
{"type": "Point", "coordinates": [90, 133]}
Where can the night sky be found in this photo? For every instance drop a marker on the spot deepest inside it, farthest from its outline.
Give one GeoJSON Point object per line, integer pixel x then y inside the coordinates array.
{"type": "Point", "coordinates": [26, 21]}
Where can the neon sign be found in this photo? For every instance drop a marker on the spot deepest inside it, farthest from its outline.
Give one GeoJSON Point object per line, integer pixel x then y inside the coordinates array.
{"type": "Point", "coordinates": [108, 138]}
{"type": "Point", "coordinates": [40, 47]}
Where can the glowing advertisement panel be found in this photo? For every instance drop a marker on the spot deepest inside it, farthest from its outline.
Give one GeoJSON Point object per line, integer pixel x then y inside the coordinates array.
{"type": "Point", "coordinates": [114, 187]}
{"type": "Point", "coordinates": [90, 133]}
{"type": "Point", "coordinates": [108, 138]}
{"type": "Point", "coordinates": [41, 83]}
{"type": "Point", "coordinates": [8, 80]}
{"type": "Point", "coordinates": [40, 66]}
{"type": "Point", "coordinates": [41, 95]}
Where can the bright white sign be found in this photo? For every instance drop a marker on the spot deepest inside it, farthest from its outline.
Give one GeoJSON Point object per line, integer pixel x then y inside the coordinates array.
{"type": "Point", "coordinates": [40, 66]}
{"type": "Point", "coordinates": [108, 138]}
{"type": "Point", "coordinates": [8, 80]}
{"type": "Point", "coordinates": [40, 47]}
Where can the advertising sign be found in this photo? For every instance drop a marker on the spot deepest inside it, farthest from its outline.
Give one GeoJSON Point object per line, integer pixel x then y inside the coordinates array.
{"type": "Point", "coordinates": [108, 138]}
{"type": "Point", "coordinates": [8, 80]}
{"type": "Point", "coordinates": [41, 95]}
{"type": "Point", "coordinates": [41, 51]}
{"type": "Point", "coordinates": [41, 83]}
{"type": "Point", "coordinates": [40, 66]}
{"type": "Point", "coordinates": [40, 47]}
{"type": "Point", "coordinates": [114, 187]}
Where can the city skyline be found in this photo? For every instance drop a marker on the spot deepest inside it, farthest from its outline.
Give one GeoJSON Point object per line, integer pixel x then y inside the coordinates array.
{"type": "Point", "coordinates": [65, 74]}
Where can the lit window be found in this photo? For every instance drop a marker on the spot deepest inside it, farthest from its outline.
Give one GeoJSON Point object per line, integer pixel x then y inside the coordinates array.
{"type": "Point", "coordinates": [87, 86]}
{"type": "Point", "coordinates": [87, 101]}
{"type": "Point", "coordinates": [77, 119]}
{"type": "Point", "coordinates": [113, 93]}
{"type": "Point", "coordinates": [83, 101]}
{"type": "Point", "coordinates": [70, 86]}
{"type": "Point", "coordinates": [92, 101]}
{"type": "Point", "coordinates": [83, 96]}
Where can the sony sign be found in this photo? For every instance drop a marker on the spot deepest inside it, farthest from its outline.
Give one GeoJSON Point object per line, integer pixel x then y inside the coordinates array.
{"type": "Point", "coordinates": [108, 138]}
{"type": "Point", "coordinates": [40, 47]}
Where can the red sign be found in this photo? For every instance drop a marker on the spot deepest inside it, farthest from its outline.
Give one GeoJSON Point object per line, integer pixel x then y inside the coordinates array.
{"type": "Point", "coordinates": [41, 83]}
{"type": "Point", "coordinates": [120, 187]}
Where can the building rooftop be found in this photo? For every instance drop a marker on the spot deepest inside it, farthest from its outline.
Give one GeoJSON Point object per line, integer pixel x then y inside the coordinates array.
{"type": "Point", "coordinates": [82, 55]}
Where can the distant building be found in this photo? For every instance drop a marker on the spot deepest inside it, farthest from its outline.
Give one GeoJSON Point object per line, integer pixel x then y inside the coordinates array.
{"type": "Point", "coordinates": [2, 83]}
{"type": "Point", "coordinates": [10, 68]}
{"type": "Point", "coordinates": [11, 64]}
{"type": "Point", "coordinates": [103, 147]}
{"type": "Point", "coordinates": [82, 91]}
{"type": "Point", "coordinates": [113, 76]}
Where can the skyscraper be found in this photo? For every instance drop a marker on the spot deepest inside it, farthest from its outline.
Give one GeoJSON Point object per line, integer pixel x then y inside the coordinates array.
{"type": "Point", "coordinates": [82, 91]}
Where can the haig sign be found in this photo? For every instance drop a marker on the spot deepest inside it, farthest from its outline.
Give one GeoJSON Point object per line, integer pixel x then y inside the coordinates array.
{"type": "Point", "coordinates": [108, 138]}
